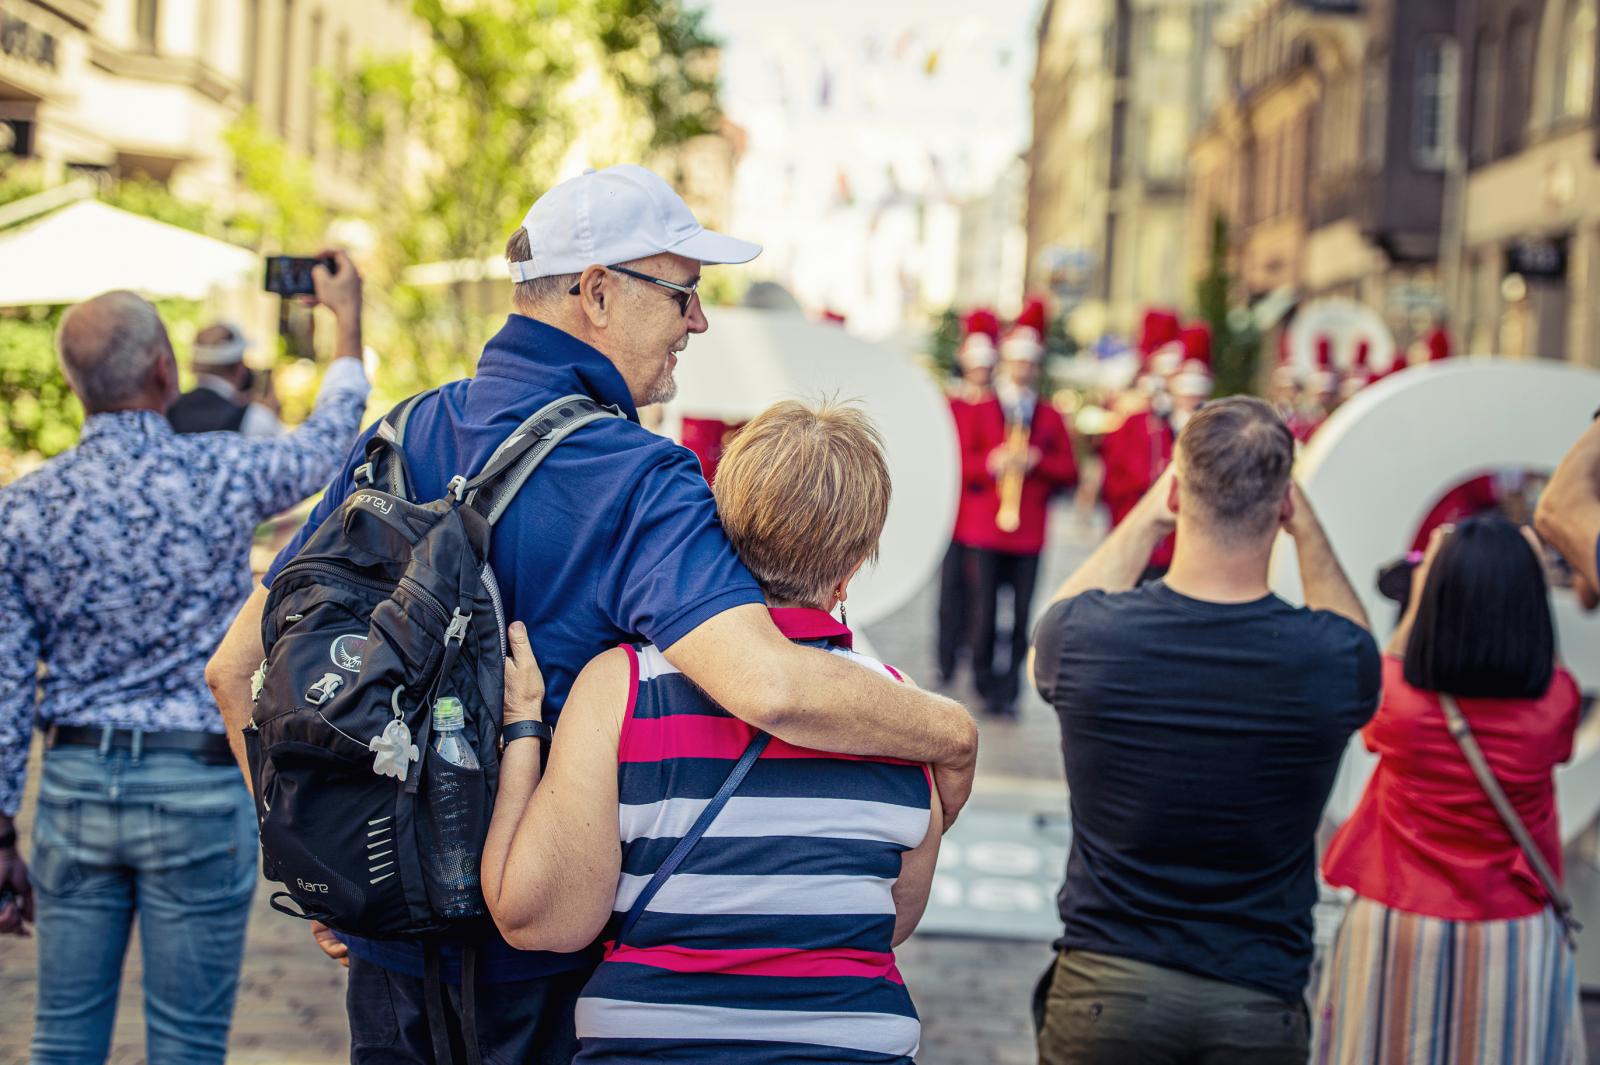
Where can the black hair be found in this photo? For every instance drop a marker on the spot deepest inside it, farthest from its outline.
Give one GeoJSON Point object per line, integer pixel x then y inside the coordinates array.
{"type": "Point", "coordinates": [1483, 628]}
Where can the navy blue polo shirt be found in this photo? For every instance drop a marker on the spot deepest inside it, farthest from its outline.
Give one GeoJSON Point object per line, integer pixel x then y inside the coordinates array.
{"type": "Point", "coordinates": [614, 539]}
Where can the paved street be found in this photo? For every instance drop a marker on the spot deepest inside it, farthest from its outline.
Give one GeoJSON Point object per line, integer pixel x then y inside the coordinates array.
{"type": "Point", "coordinates": [972, 993]}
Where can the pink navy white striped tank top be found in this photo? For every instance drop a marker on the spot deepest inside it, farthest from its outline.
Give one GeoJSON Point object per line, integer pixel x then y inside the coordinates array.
{"type": "Point", "coordinates": [772, 942]}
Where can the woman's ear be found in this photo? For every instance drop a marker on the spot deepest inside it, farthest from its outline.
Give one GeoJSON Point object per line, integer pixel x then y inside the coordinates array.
{"type": "Point", "coordinates": [841, 590]}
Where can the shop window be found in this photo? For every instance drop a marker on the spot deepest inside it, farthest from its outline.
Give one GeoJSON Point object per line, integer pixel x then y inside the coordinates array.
{"type": "Point", "coordinates": [314, 72]}
{"type": "Point", "coordinates": [146, 24]}
{"type": "Point", "coordinates": [1516, 85]}
{"type": "Point", "coordinates": [1485, 96]}
{"type": "Point", "coordinates": [252, 49]}
{"type": "Point", "coordinates": [1433, 103]}
{"type": "Point", "coordinates": [1576, 64]}
{"type": "Point", "coordinates": [16, 138]}
{"type": "Point", "coordinates": [1173, 35]}
{"type": "Point", "coordinates": [1375, 123]}
{"type": "Point", "coordinates": [1167, 141]}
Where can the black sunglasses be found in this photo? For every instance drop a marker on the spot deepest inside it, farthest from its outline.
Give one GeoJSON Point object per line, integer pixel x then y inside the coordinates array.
{"type": "Point", "coordinates": [681, 294]}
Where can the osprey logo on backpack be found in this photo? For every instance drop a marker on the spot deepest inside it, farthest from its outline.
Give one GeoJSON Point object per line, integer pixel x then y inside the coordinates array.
{"type": "Point", "coordinates": [346, 651]}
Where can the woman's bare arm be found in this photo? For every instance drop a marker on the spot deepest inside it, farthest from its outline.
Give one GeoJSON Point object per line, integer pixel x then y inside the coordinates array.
{"type": "Point", "coordinates": [552, 858]}
{"type": "Point", "coordinates": [916, 876]}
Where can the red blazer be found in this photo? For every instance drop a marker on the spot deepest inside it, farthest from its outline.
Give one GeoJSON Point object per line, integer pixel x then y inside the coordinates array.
{"type": "Point", "coordinates": [1135, 453]}
{"type": "Point", "coordinates": [1424, 838]}
{"type": "Point", "coordinates": [984, 431]}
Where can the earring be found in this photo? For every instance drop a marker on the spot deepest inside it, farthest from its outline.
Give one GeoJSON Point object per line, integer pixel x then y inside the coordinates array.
{"type": "Point", "coordinates": [843, 619]}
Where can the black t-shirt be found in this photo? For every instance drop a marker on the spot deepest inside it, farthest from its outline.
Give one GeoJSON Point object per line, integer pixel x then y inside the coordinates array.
{"type": "Point", "coordinates": [1201, 740]}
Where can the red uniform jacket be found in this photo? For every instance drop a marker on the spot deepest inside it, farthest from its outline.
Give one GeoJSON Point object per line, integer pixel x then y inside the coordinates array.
{"type": "Point", "coordinates": [970, 514]}
{"type": "Point", "coordinates": [1135, 454]}
{"type": "Point", "coordinates": [985, 430]}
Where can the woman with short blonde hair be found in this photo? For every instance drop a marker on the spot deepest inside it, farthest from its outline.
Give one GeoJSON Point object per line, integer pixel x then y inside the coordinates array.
{"type": "Point", "coordinates": [773, 940]}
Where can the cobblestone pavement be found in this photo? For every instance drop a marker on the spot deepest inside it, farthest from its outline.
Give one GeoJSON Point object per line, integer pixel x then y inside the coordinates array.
{"type": "Point", "coordinates": [972, 992]}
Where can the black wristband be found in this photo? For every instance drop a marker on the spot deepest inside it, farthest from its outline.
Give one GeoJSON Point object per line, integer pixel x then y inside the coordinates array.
{"type": "Point", "coordinates": [8, 839]}
{"type": "Point", "coordinates": [522, 729]}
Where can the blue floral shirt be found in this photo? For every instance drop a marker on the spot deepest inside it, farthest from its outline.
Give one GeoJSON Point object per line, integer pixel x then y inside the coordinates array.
{"type": "Point", "coordinates": [124, 560]}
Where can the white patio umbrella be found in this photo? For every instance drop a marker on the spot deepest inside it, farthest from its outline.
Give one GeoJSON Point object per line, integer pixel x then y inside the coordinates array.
{"type": "Point", "coordinates": [88, 247]}
{"type": "Point", "coordinates": [752, 358]}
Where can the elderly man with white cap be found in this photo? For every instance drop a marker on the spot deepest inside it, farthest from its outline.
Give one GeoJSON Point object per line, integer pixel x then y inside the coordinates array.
{"type": "Point", "coordinates": [220, 400]}
{"type": "Point", "coordinates": [616, 540]}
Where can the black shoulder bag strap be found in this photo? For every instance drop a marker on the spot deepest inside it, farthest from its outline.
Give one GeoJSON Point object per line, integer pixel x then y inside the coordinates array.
{"type": "Point", "coordinates": [1461, 732]}
{"type": "Point", "coordinates": [741, 769]}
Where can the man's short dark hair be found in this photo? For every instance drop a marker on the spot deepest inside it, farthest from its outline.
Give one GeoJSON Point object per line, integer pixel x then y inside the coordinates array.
{"type": "Point", "coordinates": [1236, 458]}
{"type": "Point", "coordinates": [1483, 628]}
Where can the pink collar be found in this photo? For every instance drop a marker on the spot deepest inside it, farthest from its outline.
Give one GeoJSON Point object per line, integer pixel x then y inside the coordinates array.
{"type": "Point", "coordinates": [806, 623]}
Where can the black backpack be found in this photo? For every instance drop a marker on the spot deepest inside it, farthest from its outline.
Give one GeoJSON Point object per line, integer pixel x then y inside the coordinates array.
{"type": "Point", "coordinates": [389, 606]}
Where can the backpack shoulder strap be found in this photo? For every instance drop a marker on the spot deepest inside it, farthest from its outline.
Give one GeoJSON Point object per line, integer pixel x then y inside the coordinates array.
{"type": "Point", "coordinates": [386, 459]}
{"type": "Point", "coordinates": [741, 769]}
{"type": "Point", "coordinates": [513, 462]}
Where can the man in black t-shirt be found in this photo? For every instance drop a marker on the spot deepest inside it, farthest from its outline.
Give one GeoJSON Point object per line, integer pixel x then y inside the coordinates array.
{"type": "Point", "coordinates": [1202, 723]}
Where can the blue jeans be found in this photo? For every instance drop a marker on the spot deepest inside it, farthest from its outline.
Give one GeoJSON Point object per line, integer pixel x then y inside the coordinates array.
{"type": "Point", "coordinates": [164, 834]}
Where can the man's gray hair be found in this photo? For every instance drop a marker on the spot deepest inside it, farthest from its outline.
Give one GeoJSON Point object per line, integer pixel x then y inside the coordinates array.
{"type": "Point", "coordinates": [529, 296]}
{"type": "Point", "coordinates": [108, 346]}
{"type": "Point", "coordinates": [1236, 456]}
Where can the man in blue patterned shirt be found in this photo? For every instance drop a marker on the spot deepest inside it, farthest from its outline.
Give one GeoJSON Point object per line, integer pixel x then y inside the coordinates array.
{"type": "Point", "coordinates": [122, 562]}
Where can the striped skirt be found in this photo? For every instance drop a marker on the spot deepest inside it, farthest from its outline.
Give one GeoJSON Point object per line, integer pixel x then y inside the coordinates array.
{"type": "Point", "coordinates": [1402, 989]}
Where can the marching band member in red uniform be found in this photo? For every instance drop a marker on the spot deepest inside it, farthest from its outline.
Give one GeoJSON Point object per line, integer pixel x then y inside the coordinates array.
{"type": "Point", "coordinates": [958, 576]}
{"type": "Point", "coordinates": [1137, 452]}
{"type": "Point", "coordinates": [1018, 455]}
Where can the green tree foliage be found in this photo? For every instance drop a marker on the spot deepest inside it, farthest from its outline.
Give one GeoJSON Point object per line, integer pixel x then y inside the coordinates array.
{"type": "Point", "coordinates": [39, 415]}
{"type": "Point", "coordinates": [1234, 351]}
{"type": "Point", "coordinates": [943, 340]}
{"type": "Point", "coordinates": [289, 215]}
{"type": "Point", "coordinates": [465, 134]}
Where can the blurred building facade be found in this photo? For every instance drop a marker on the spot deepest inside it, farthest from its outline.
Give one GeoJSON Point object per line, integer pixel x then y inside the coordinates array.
{"type": "Point", "coordinates": [1120, 89]}
{"type": "Point", "coordinates": [148, 87]}
{"type": "Point", "coordinates": [1529, 246]}
{"type": "Point", "coordinates": [1327, 156]}
{"type": "Point", "coordinates": [1436, 160]}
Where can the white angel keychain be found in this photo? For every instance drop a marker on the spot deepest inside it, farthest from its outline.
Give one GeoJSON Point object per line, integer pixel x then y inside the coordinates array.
{"type": "Point", "coordinates": [393, 751]}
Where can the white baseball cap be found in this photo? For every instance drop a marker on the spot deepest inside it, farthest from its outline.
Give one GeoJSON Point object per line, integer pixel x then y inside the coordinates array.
{"type": "Point", "coordinates": [617, 215]}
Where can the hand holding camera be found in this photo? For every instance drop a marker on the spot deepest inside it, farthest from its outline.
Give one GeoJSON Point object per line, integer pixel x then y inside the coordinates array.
{"type": "Point", "coordinates": [329, 278]}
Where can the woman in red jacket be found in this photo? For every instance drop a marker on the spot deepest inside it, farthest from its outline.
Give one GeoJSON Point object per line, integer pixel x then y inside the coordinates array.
{"type": "Point", "coordinates": [1450, 951]}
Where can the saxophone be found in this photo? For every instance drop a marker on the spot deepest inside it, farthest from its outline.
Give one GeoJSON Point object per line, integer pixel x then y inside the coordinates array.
{"type": "Point", "coordinates": [1010, 514]}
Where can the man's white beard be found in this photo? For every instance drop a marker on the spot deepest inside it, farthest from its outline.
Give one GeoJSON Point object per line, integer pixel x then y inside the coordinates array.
{"type": "Point", "coordinates": [663, 390]}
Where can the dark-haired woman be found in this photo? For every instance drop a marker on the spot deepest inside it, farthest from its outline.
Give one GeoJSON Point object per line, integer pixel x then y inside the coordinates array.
{"type": "Point", "coordinates": [1450, 951]}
